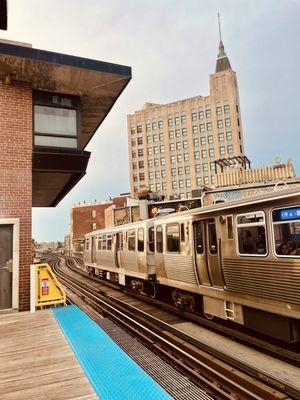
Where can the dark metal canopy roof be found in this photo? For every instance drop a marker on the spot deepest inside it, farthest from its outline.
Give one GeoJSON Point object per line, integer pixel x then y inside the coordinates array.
{"type": "Point", "coordinates": [98, 83]}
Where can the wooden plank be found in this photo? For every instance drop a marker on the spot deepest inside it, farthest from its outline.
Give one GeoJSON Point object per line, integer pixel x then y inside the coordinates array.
{"type": "Point", "coordinates": [37, 361]}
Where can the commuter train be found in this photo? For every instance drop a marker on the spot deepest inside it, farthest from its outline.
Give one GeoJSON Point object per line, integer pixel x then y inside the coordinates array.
{"type": "Point", "coordinates": [237, 260]}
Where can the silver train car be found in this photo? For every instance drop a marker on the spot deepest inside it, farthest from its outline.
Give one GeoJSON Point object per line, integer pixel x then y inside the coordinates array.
{"type": "Point", "coordinates": [237, 260]}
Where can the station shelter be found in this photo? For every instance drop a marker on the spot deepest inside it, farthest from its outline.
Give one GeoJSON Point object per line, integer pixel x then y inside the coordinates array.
{"type": "Point", "coordinates": [51, 105]}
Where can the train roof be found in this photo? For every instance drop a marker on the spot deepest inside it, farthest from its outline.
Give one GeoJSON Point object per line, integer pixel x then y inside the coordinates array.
{"type": "Point", "coordinates": [283, 193]}
{"type": "Point", "coordinates": [112, 229]}
{"type": "Point", "coordinates": [231, 204]}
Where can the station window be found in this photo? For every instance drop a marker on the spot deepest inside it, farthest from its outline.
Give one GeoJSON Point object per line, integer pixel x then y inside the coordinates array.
{"type": "Point", "coordinates": [251, 232]}
{"type": "Point", "coordinates": [171, 135]}
{"type": "Point", "coordinates": [159, 239]}
{"type": "Point", "coordinates": [55, 120]}
{"type": "Point", "coordinates": [286, 228]}
{"type": "Point", "coordinates": [173, 238]}
{"type": "Point", "coordinates": [131, 240]}
{"type": "Point", "coordinates": [141, 239]}
{"type": "Point", "coordinates": [201, 114]}
{"type": "Point", "coordinates": [94, 226]}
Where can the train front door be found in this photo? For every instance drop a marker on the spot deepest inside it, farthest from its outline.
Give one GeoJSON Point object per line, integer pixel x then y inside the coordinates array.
{"type": "Point", "coordinates": [206, 253]}
{"type": "Point", "coordinates": [6, 255]}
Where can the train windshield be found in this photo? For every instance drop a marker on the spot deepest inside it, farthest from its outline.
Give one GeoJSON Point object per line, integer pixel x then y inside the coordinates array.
{"type": "Point", "coordinates": [286, 226]}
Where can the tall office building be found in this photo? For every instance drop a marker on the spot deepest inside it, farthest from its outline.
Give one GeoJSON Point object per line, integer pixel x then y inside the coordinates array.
{"type": "Point", "coordinates": [172, 147]}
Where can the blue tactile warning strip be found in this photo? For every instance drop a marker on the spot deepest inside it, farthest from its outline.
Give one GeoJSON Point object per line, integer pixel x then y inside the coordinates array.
{"type": "Point", "coordinates": [113, 374]}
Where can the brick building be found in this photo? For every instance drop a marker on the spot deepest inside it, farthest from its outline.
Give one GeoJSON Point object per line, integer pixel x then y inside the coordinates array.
{"type": "Point", "coordinates": [88, 217]}
{"type": "Point", "coordinates": [172, 147]}
{"type": "Point", "coordinates": [51, 105]}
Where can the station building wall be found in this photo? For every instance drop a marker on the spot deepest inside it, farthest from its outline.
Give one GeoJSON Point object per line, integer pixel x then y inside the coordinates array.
{"type": "Point", "coordinates": [16, 172]}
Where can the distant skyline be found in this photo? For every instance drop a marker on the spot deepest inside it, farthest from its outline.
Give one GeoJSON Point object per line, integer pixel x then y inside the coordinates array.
{"type": "Point", "coordinates": [167, 41]}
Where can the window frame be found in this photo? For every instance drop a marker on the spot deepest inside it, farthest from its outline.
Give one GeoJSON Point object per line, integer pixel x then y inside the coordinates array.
{"type": "Point", "coordinates": [138, 240]}
{"type": "Point", "coordinates": [162, 242]}
{"type": "Point", "coordinates": [237, 225]}
{"type": "Point", "coordinates": [45, 99]}
{"type": "Point", "coordinates": [288, 256]}
{"type": "Point", "coordinates": [129, 236]}
{"type": "Point", "coordinates": [166, 237]}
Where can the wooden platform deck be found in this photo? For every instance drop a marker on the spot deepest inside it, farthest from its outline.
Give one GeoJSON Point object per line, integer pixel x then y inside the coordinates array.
{"type": "Point", "coordinates": [36, 361]}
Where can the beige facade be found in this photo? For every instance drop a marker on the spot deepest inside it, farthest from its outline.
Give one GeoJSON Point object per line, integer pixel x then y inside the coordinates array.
{"type": "Point", "coordinates": [172, 147]}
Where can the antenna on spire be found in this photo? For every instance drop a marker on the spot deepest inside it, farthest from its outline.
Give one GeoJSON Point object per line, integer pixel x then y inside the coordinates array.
{"type": "Point", "coordinates": [220, 34]}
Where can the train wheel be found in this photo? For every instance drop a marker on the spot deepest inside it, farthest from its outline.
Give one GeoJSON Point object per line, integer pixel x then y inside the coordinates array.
{"type": "Point", "coordinates": [152, 291]}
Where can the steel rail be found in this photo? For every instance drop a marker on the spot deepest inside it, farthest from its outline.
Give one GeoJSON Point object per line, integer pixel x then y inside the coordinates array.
{"type": "Point", "coordinates": [204, 369]}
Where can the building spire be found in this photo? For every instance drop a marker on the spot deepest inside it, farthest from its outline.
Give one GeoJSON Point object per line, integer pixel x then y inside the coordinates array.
{"type": "Point", "coordinates": [221, 45]}
{"type": "Point", "coordinates": [222, 60]}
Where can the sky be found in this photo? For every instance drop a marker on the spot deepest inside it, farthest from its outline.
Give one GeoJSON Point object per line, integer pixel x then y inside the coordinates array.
{"type": "Point", "coordinates": [171, 46]}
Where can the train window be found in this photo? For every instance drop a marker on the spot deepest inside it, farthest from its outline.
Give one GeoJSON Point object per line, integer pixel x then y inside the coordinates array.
{"type": "Point", "coordinates": [99, 242]}
{"type": "Point", "coordinates": [140, 239]}
{"type": "Point", "coordinates": [87, 242]}
{"type": "Point", "coordinates": [182, 233]}
{"type": "Point", "coordinates": [151, 239]}
{"type": "Point", "coordinates": [173, 238]}
{"type": "Point", "coordinates": [131, 240]}
{"type": "Point", "coordinates": [286, 228]}
{"type": "Point", "coordinates": [103, 242]}
{"type": "Point", "coordinates": [108, 243]}
{"type": "Point", "coordinates": [251, 231]}
{"type": "Point", "coordinates": [212, 237]}
{"type": "Point", "coordinates": [198, 235]}
{"type": "Point", "coordinates": [229, 227]}
{"type": "Point", "coordinates": [159, 239]}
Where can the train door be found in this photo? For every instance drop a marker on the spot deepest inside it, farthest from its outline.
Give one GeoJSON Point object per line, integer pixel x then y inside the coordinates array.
{"type": "Point", "coordinates": [6, 255]}
{"type": "Point", "coordinates": [93, 249]}
{"type": "Point", "coordinates": [119, 239]}
{"type": "Point", "coordinates": [200, 253]}
{"type": "Point", "coordinates": [207, 253]}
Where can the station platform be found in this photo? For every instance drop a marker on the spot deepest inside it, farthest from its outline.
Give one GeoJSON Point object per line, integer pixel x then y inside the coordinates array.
{"type": "Point", "coordinates": [62, 354]}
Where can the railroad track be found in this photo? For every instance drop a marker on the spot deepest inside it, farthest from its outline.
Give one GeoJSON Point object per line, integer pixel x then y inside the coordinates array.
{"type": "Point", "coordinates": [220, 378]}
{"type": "Point", "coordinates": [262, 344]}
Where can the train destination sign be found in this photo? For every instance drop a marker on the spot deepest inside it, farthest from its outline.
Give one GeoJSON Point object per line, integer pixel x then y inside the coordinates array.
{"type": "Point", "coordinates": [289, 214]}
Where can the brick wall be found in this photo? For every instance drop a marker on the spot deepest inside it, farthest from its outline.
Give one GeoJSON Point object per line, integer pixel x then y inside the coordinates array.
{"type": "Point", "coordinates": [16, 171]}
{"type": "Point", "coordinates": [82, 217]}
